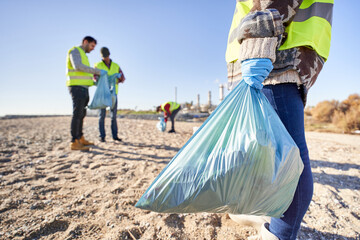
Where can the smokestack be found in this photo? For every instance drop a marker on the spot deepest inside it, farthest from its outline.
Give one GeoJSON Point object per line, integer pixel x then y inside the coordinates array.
{"type": "Point", "coordinates": [209, 99]}
{"type": "Point", "coordinates": [175, 94]}
{"type": "Point", "coordinates": [198, 101]}
{"type": "Point", "coordinates": [221, 92]}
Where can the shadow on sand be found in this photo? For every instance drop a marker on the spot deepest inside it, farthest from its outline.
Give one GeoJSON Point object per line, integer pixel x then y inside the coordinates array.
{"type": "Point", "coordinates": [338, 181]}
{"type": "Point", "coordinates": [137, 156]}
{"type": "Point", "coordinates": [311, 233]}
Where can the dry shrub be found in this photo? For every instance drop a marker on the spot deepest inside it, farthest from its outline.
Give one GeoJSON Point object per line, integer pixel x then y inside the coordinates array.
{"type": "Point", "coordinates": [352, 100]}
{"type": "Point", "coordinates": [307, 111]}
{"type": "Point", "coordinates": [353, 118]}
{"type": "Point", "coordinates": [324, 111]}
{"type": "Point", "coordinates": [347, 115]}
{"type": "Point", "coordinates": [339, 120]}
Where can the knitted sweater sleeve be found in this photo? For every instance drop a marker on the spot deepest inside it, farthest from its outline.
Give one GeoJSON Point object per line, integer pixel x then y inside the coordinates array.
{"type": "Point", "coordinates": [261, 31]}
{"type": "Point", "coordinates": [75, 59]}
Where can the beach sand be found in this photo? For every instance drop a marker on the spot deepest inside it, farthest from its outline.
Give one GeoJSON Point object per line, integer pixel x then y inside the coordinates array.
{"type": "Point", "coordinates": [50, 192]}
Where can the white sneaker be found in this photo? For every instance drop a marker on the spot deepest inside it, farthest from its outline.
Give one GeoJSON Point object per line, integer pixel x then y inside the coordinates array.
{"type": "Point", "coordinates": [264, 234]}
{"type": "Point", "coordinates": [250, 220]}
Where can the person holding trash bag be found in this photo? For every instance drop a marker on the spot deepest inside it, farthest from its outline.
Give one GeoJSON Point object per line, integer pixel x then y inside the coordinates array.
{"type": "Point", "coordinates": [170, 110]}
{"type": "Point", "coordinates": [279, 47]}
{"type": "Point", "coordinates": [112, 68]}
{"type": "Point", "coordinates": [79, 79]}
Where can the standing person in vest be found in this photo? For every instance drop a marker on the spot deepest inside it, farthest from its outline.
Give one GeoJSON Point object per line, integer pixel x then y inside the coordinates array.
{"type": "Point", "coordinates": [170, 109]}
{"type": "Point", "coordinates": [112, 68]}
{"type": "Point", "coordinates": [79, 79]}
{"type": "Point", "coordinates": [279, 47]}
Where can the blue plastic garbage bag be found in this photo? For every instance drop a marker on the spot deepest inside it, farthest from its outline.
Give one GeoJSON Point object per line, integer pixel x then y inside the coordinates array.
{"type": "Point", "coordinates": [105, 95]}
{"type": "Point", "coordinates": [242, 160]}
{"type": "Point", "coordinates": [102, 97]}
{"type": "Point", "coordinates": [112, 85]}
{"type": "Point", "coordinates": [161, 125]}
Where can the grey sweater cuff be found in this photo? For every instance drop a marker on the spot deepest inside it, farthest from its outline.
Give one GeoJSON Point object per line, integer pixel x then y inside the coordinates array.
{"type": "Point", "coordinates": [258, 48]}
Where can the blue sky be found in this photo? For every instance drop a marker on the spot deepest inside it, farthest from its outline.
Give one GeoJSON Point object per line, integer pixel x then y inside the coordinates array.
{"type": "Point", "coordinates": [159, 45]}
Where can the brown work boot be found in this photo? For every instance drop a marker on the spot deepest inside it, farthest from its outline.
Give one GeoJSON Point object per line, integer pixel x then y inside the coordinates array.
{"type": "Point", "coordinates": [77, 145]}
{"type": "Point", "coordinates": [85, 142]}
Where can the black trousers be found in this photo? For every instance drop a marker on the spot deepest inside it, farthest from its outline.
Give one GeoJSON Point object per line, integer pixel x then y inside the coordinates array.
{"type": "Point", "coordinates": [80, 99]}
{"type": "Point", "coordinates": [172, 118]}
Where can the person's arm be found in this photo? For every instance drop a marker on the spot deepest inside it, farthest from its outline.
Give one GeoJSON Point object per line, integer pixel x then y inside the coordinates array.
{"type": "Point", "coordinates": [259, 35]}
{"type": "Point", "coordinates": [75, 59]}
{"type": "Point", "coordinates": [260, 32]}
{"type": "Point", "coordinates": [96, 79]}
{"type": "Point", "coordinates": [122, 78]}
{"type": "Point", "coordinates": [167, 112]}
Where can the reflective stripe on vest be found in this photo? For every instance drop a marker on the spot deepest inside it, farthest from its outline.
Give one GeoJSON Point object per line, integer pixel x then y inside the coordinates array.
{"type": "Point", "coordinates": [114, 68]}
{"type": "Point", "coordinates": [77, 78]}
{"type": "Point", "coordinates": [173, 106]}
{"type": "Point", "coordinates": [311, 27]}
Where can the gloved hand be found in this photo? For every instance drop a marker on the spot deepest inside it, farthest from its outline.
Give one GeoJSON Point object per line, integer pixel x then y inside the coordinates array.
{"type": "Point", "coordinates": [103, 72]}
{"type": "Point", "coordinates": [118, 75]}
{"type": "Point", "coordinates": [255, 70]}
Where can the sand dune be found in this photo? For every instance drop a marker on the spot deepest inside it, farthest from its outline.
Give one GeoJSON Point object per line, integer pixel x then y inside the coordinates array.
{"type": "Point", "coordinates": [50, 192]}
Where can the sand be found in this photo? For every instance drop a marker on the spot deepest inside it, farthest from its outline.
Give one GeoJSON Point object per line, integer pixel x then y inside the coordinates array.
{"type": "Point", "coordinates": [50, 192]}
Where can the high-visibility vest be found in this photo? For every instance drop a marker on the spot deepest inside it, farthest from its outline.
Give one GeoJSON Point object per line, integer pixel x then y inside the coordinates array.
{"type": "Point", "coordinates": [114, 68]}
{"type": "Point", "coordinates": [173, 106]}
{"type": "Point", "coordinates": [76, 78]}
{"type": "Point", "coordinates": [311, 27]}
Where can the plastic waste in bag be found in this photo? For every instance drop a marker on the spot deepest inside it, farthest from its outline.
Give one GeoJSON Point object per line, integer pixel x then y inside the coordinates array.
{"type": "Point", "coordinates": [102, 97]}
{"type": "Point", "coordinates": [112, 85]}
{"type": "Point", "coordinates": [105, 95]}
{"type": "Point", "coordinates": [161, 125]}
{"type": "Point", "coordinates": [242, 160]}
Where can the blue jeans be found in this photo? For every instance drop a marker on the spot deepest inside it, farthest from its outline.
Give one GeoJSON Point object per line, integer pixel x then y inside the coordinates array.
{"type": "Point", "coordinates": [80, 99]}
{"type": "Point", "coordinates": [287, 102]}
{"type": "Point", "coordinates": [114, 128]}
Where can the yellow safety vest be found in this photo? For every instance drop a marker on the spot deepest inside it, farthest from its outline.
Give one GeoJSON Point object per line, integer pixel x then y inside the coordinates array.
{"type": "Point", "coordinates": [76, 78]}
{"type": "Point", "coordinates": [114, 68]}
{"type": "Point", "coordinates": [311, 27]}
{"type": "Point", "coordinates": [173, 106]}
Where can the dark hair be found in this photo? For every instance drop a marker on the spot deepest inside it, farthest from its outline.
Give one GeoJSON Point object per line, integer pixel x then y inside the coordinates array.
{"type": "Point", "coordinates": [89, 39]}
{"type": "Point", "coordinates": [158, 109]}
{"type": "Point", "coordinates": [104, 51]}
